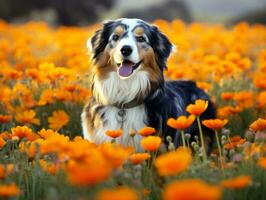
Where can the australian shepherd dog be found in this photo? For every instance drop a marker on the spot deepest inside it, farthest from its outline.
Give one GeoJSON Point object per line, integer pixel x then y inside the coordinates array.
{"type": "Point", "coordinates": [128, 88]}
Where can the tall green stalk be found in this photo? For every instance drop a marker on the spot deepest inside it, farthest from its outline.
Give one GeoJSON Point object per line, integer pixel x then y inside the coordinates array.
{"type": "Point", "coordinates": [183, 138]}
{"type": "Point", "coordinates": [202, 140]}
{"type": "Point", "coordinates": [218, 144]}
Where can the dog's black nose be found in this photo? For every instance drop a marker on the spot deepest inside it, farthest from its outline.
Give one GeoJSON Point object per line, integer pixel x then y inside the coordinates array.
{"type": "Point", "coordinates": [126, 50]}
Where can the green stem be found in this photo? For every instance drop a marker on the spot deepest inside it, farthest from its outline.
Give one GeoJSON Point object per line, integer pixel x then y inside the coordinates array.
{"type": "Point", "coordinates": [134, 144]}
{"type": "Point", "coordinates": [202, 140]}
{"type": "Point", "coordinates": [187, 142]}
{"type": "Point", "coordinates": [183, 138]}
{"type": "Point", "coordinates": [218, 144]}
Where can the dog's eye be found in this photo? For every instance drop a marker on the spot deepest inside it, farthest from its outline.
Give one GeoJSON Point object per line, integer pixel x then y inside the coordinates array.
{"type": "Point", "coordinates": [115, 37]}
{"type": "Point", "coordinates": [140, 39]}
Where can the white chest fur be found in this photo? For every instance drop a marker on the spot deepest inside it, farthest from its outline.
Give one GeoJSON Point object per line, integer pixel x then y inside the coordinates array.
{"type": "Point", "coordinates": [114, 90]}
{"type": "Point", "coordinates": [134, 119]}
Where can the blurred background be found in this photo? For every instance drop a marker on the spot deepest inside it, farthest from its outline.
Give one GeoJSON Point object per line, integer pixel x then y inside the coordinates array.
{"type": "Point", "coordinates": [85, 12]}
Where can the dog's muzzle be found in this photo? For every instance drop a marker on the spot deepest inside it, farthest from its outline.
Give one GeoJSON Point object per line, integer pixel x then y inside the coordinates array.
{"type": "Point", "coordinates": [126, 68]}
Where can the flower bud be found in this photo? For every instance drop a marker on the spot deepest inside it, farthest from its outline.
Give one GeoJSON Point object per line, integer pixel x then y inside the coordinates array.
{"type": "Point", "coordinates": [225, 131]}
{"type": "Point", "coordinates": [171, 146]}
{"type": "Point", "coordinates": [169, 139]}
{"type": "Point", "coordinates": [187, 136]}
{"type": "Point", "coordinates": [196, 137]}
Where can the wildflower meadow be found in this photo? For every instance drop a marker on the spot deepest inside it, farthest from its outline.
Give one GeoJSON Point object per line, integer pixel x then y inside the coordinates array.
{"type": "Point", "coordinates": [44, 86]}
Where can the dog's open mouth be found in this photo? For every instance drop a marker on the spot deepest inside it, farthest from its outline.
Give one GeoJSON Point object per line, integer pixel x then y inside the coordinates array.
{"type": "Point", "coordinates": [126, 68]}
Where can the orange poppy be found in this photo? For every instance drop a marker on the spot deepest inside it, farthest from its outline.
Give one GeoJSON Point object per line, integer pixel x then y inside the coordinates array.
{"type": "Point", "coordinates": [215, 123]}
{"type": "Point", "coordinates": [115, 153]}
{"type": "Point", "coordinates": [138, 158]}
{"type": "Point", "coordinates": [47, 97]}
{"type": "Point", "coordinates": [5, 118]}
{"type": "Point", "coordinates": [261, 99]}
{"type": "Point", "coordinates": [198, 108]}
{"type": "Point", "coordinates": [5, 135]}
{"type": "Point", "coordinates": [191, 189]}
{"type": "Point", "coordinates": [244, 99]}
{"type": "Point", "coordinates": [234, 142]}
{"type": "Point", "coordinates": [120, 193]}
{"type": "Point", "coordinates": [151, 143]}
{"type": "Point", "coordinates": [27, 116]}
{"type": "Point", "coordinates": [58, 119]}
{"type": "Point", "coordinates": [51, 168]}
{"type": "Point", "coordinates": [237, 182]}
{"type": "Point", "coordinates": [93, 170]}
{"type": "Point", "coordinates": [114, 133]}
{"type": "Point", "coordinates": [174, 162]}
{"type": "Point", "coordinates": [5, 170]}
{"type": "Point", "coordinates": [182, 122]}
{"type": "Point", "coordinates": [259, 81]}
{"type": "Point", "coordinates": [258, 125]}
{"type": "Point", "coordinates": [9, 190]}
{"type": "Point", "coordinates": [147, 131]}
{"type": "Point", "coordinates": [262, 162]}
{"type": "Point", "coordinates": [47, 133]}
{"type": "Point", "coordinates": [24, 132]}
{"type": "Point", "coordinates": [227, 96]}
{"type": "Point", "coordinates": [2, 142]}
{"type": "Point", "coordinates": [226, 111]}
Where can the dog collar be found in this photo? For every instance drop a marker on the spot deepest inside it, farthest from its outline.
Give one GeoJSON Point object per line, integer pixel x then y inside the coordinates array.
{"type": "Point", "coordinates": [128, 105]}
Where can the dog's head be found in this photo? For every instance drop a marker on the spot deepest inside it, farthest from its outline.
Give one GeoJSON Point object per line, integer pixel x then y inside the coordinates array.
{"type": "Point", "coordinates": [129, 57]}
{"type": "Point", "coordinates": [128, 46]}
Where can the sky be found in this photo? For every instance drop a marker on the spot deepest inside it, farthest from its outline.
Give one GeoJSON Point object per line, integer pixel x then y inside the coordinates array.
{"type": "Point", "coordinates": [202, 10]}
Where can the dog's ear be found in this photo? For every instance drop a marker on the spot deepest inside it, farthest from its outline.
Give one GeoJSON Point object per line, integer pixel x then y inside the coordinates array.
{"type": "Point", "coordinates": [97, 43]}
{"type": "Point", "coordinates": [162, 47]}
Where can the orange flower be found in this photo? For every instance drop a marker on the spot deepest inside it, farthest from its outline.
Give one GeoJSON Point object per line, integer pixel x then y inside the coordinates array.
{"type": "Point", "coordinates": [147, 131]}
{"type": "Point", "coordinates": [173, 163]}
{"type": "Point", "coordinates": [9, 190]}
{"type": "Point", "coordinates": [261, 99]}
{"type": "Point", "coordinates": [151, 143]}
{"type": "Point", "coordinates": [47, 133]}
{"type": "Point", "coordinates": [24, 132]}
{"type": "Point", "coordinates": [262, 162]}
{"type": "Point", "coordinates": [31, 148]}
{"type": "Point", "coordinates": [5, 170]}
{"type": "Point", "coordinates": [5, 135]}
{"type": "Point", "coordinates": [182, 122]}
{"type": "Point", "coordinates": [28, 116]}
{"type": "Point", "coordinates": [227, 96]}
{"type": "Point", "coordinates": [62, 95]}
{"type": "Point", "coordinates": [2, 142]}
{"type": "Point", "coordinates": [258, 125]}
{"type": "Point", "coordinates": [51, 168]}
{"type": "Point", "coordinates": [58, 120]}
{"type": "Point", "coordinates": [226, 111]}
{"type": "Point", "coordinates": [191, 189]}
{"type": "Point", "coordinates": [5, 118]}
{"type": "Point", "coordinates": [115, 153]}
{"type": "Point", "coordinates": [237, 182]}
{"type": "Point", "coordinates": [198, 108]}
{"type": "Point", "coordinates": [259, 81]}
{"type": "Point", "coordinates": [235, 141]}
{"type": "Point", "coordinates": [120, 193]}
{"type": "Point", "coordinates": [215, 123]}
{"type": "Point", "coordinates": [93, 170]}
{"type": "Point", "coordinates": [47, 97]}
{"type": "Point", "coordinates": [204, 85]}
{"type": "Point", "coordinates": [244, 99]}
{"type": "Point", "coordinates": [138, 158]}
{"type": "Point", "coordinates": [114, 133]}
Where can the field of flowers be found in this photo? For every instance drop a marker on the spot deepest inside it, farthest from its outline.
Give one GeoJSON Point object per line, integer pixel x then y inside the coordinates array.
{"type": "Point", "coordinates": [43, 81]}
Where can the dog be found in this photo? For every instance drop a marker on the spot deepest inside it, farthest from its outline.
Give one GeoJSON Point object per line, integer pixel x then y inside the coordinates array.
{"type": "Point", "coordinates": [128, 88]}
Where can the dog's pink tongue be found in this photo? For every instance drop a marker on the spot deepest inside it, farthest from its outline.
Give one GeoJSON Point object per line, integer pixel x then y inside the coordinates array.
{"type": "Point", "coordinates": [125, 70]}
